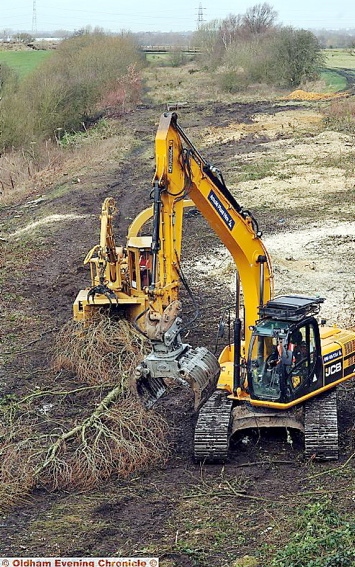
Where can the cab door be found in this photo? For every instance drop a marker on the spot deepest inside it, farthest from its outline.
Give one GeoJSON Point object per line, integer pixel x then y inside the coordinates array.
{"type": "Point", "coordinates": [304, 374]}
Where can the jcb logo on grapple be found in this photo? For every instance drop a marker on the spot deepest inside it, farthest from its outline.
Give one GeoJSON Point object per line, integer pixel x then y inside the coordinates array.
{"type": "Point", "coordinates": [333, 369]}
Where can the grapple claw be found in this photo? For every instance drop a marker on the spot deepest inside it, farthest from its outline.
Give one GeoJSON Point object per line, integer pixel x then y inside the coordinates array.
{"type": "Point", "coordinates": [101, 289]}
{"type": "Point", "coordinates": [150, 390]}
{"type": "Point", "coordinates": [196, 369]}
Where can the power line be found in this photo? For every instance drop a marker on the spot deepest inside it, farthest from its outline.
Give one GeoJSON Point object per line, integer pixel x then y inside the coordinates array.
{"type": "Point", "coordinates": [200, 18]}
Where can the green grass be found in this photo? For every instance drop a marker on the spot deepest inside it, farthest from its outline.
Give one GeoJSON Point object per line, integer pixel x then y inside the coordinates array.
{"type": "Point", "coordinates": [334, 82]}
{"type": "Point", "coordinates": [23, 61]}
{"type": "Point", "coordinates": [339, 59]}
{"type": "Point", "coordinates": [345, 161]}
{"type": "Point", "coordinates": [157, 57]}
{"type": "Point", "coordinates": [257, 170]}
{"type": "Point", "coordinates": [324, 538]}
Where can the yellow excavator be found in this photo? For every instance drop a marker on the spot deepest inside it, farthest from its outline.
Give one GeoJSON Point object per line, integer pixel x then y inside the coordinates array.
{"type": "Point", "coordinates": [282, 367]}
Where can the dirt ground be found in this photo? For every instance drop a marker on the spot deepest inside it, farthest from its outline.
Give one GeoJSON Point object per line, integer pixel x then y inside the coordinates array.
{"type": "Point", "coordinates": [298, 179]}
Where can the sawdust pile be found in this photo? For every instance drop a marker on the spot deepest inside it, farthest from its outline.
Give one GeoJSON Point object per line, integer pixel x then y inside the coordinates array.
{"type": "Point", "coordinates": [88, 426]}
{"type": "Point", "coordinates": [299, 94]}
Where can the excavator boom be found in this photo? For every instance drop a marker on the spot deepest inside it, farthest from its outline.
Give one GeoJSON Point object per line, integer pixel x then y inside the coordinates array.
{"type": "Point", "coordinates": [181, 170]}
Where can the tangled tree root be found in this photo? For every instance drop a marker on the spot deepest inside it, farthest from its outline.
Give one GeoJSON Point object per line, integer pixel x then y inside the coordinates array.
{"type": "Point", "coordinates": [102, 352]}
{"type": "Point", "coordinates": [75, 436]}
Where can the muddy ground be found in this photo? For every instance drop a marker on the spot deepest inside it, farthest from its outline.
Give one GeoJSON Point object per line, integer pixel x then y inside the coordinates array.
{"type": "Point", "coordinates": [298, 179]}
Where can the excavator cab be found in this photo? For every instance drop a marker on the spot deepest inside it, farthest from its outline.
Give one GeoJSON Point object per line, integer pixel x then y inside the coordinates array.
{"type": "Point", "coordinates": [139, 250]}
{"type": "Point", "coordinates": [284, 361]}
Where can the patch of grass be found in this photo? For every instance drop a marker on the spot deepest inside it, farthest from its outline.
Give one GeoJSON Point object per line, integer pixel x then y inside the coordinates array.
{"type": "Point", "coordinates": [157, 58]}
{"type": "Point", "coordinates": [345, 161]}
{"type": "Point", "coordinates": [24, 62]}
{"type": "Point", "coordinates": [173, 58]}
{"type": "Point", "coordinates": [103, 129]}
{"type": "Point", "coordinates": [256, 170]}
{"type": "Point", "coordinates": [59, 190]}
{"type": "Point", "coordinates": [181, 84]}
{"type": "Point", "coordinates": [283, 175]}
{"type": "Point", "coordinates": [65, 524]}
{"type": "Point", "coordinates": [323, 538]}
{"type": "Point", "coordinates": [334, 82]}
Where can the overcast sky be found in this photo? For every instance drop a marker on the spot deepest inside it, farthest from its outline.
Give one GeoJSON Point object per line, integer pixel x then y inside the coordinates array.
{"type": "Point", "coordinates": [165, 15]}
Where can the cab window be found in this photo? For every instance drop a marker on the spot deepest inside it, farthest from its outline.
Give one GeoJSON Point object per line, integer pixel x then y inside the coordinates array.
{"type": "Point", "coordinates": [265, 369]}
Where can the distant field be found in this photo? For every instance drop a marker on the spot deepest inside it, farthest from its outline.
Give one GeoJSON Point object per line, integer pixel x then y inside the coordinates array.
{"type": "Point", "coordinates": [23, 61]}
{"type": "Point", "coordinates": [339, 58]}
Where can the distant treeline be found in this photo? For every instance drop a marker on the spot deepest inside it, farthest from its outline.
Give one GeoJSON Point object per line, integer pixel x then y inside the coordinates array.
{"type": "Point", "coordinates": [341, 38]}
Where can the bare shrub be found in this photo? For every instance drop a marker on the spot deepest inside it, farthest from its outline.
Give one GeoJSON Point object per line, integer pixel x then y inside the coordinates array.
{"type": "Point", "coordinates": [284, 58]}
{"type": "Point", "coordinates": [66, 89]}
{"type": "Point", "coordinates": [34, 167]}
{"type": "Point", "coordinates": [246, 62]}
{"type": "Point", "coordinates": [124, 93]}
{"type": "Point", "coordinates": [34, 163]}
{"type": "Point", "coordinates": [176, 57]}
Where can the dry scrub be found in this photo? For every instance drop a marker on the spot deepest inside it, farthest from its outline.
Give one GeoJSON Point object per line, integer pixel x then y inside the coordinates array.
{"type": "Point", "coordinates": [33, 171]}
{"type": "Point", "coordinates": [76, 438]}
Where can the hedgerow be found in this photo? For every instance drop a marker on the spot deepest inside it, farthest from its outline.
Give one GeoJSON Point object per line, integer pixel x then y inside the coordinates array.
{"type": "Point", "coordinates": [68, 91]}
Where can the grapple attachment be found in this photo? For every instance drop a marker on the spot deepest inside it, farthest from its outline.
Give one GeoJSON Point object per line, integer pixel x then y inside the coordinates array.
{"type": "Point", "coordinates": [197, 369]}
{"type": "Point", "coordinates": [171, 359]}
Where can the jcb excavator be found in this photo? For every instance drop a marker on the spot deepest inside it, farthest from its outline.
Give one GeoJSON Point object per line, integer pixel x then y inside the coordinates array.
{"type": "Point", "coordinates": [280, 370]}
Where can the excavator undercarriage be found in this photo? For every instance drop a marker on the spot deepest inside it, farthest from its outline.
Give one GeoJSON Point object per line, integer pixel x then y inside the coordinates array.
{"type": "Point", "coordinates": [219, 420]}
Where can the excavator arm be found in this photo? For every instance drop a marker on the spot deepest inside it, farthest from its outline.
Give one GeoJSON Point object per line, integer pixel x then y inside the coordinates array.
{"type": "Point", "coordinates": [182, 173]}
{"type": "Point", "coordinates": [144, 277]}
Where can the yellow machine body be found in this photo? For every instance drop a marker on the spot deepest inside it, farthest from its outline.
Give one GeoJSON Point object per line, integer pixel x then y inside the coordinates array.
{"type": "Point", "coordinates": [144, 276]}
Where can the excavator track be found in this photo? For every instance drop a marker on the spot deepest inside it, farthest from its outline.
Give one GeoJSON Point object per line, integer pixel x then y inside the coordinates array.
{"type": "Point", "coordinates": [211, 441]}
{"type": "Point", "coordinates": [321, 427]}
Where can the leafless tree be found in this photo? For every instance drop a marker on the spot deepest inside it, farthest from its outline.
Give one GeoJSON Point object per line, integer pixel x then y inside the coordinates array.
{"type": "Point", "coordinates": [230, 29]}
{"type": "Point", "coordinates": [259, 18]}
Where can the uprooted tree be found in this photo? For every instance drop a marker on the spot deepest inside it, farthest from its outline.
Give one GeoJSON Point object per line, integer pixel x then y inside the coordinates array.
{"type": "Point", "coordinates": [88, 425]}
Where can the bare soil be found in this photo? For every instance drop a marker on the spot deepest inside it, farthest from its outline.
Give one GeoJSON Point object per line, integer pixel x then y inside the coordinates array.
{"type": "Point", "coordinates": [298, 179]}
